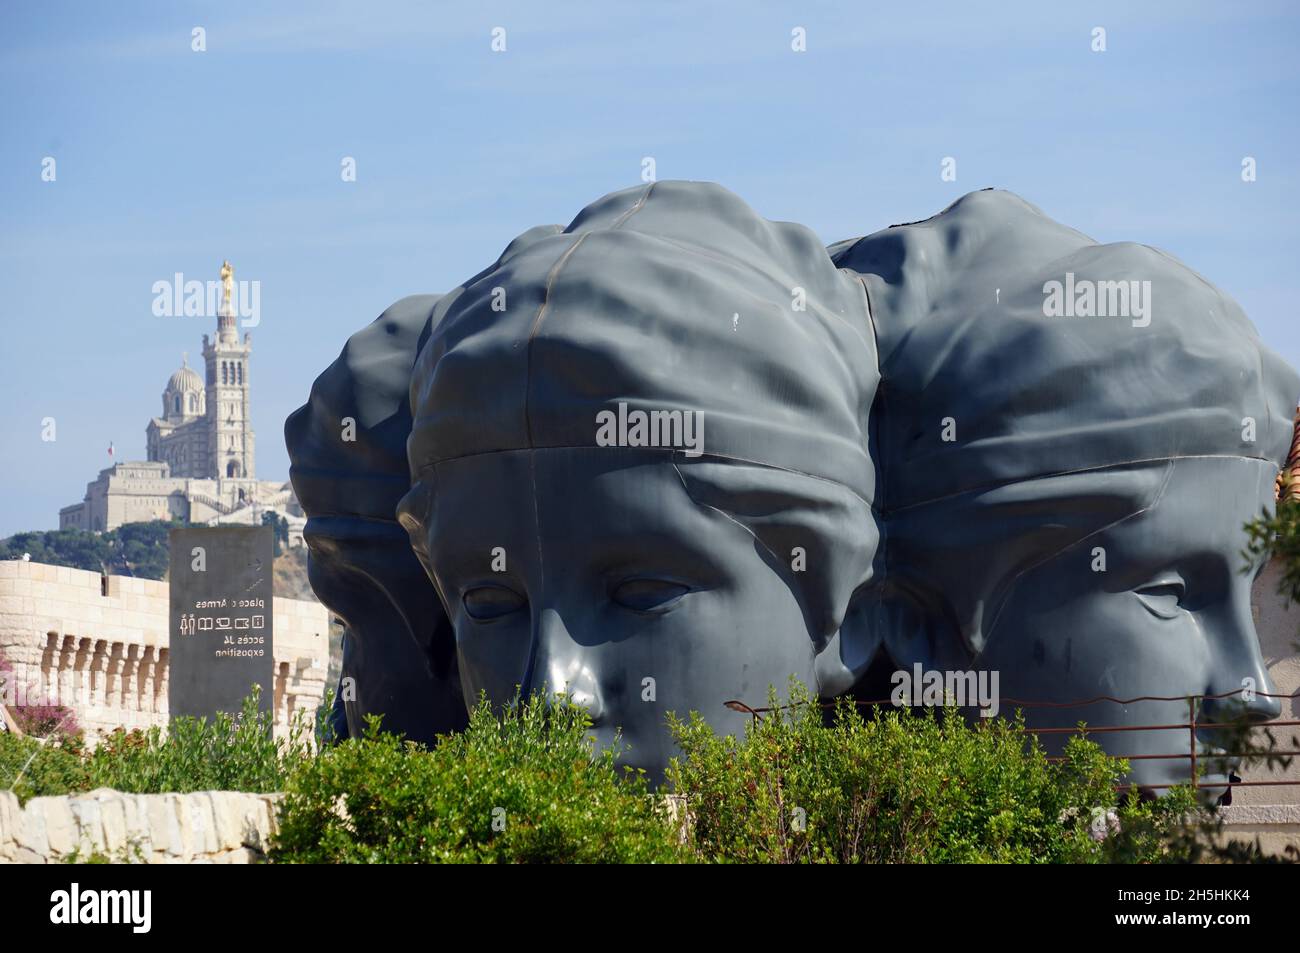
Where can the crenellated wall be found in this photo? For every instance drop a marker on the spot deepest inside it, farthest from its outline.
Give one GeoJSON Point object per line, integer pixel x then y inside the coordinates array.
{"type": "Point", "coordinates": [99, 645]}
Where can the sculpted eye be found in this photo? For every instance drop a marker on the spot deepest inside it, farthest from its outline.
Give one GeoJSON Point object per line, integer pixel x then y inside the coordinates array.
{"type": "Point", "coordinates": [491, 602]}
{"type": "Point", "coordinates": [648, 595]}
{"type": "Point", "coordinates": [1162, 599]}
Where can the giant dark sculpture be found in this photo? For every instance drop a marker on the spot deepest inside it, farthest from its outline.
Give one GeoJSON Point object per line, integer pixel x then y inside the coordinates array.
{"type": "Point", "coordinates": [348, 446]}
{"type": "Point", "coordinates": [674, 453]}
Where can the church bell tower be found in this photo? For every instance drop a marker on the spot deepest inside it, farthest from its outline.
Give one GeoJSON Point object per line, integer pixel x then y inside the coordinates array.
{"type": "Point", "coordinates": [230, 431]}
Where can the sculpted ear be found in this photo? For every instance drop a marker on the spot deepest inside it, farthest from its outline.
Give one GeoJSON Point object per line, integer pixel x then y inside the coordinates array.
{"type": "Point", "coordinates": [959, 559]}
{"type": "Point", "coordinates": [413, 512]}
{"type": "Point", "coordinates": [817, 536]}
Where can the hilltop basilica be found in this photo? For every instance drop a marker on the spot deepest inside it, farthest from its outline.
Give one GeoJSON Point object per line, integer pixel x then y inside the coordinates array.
{"type": "Point", "coordinates": [200, 465]}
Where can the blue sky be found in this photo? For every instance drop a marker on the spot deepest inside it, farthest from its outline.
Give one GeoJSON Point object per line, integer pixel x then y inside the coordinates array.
{"type": "Point", "coordinates": [170, 160]}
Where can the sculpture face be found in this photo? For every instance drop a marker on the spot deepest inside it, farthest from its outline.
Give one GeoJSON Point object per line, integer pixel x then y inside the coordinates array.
{"type": "Point", "coordinates": [1170, 616]}
{"type": "Point", "coordinates": [613, 576]}
{"type": "Point", "coordinates": [396, 652]}
{"type": "Point", "coordinates": [912, 379]}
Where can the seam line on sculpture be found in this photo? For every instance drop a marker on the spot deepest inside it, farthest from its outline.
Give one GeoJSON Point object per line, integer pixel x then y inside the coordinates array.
{"type": "Point", "coordinates": [546, 300]}
{"type": "Point", "coordinates": [541, 567]}
{"type": "Point", "coordinates": [1155, 500]}
{"type": "Point", "coordinates": [528, 422]}
{"type": "Point", "coordinates": [537, 323]}
{"type": "Point", "coordinates": [871, 321]}
{"type": "Point", "coordinates": [636, 207]}
{"type": "Point", "coordinates": [876, 451]}
{"type": "Point", "coordinates": [674, 451]}
{"type": "Point", "coordinates": [998, 484]}
{"type": "Point", "coordinates": [691, 496]}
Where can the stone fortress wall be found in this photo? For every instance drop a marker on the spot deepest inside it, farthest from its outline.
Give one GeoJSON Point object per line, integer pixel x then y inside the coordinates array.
{"type": "Point", "coordinates": [99, 645]}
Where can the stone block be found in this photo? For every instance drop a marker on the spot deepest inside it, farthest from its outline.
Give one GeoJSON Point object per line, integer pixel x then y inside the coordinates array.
{"type": "Point", "coordinates": [11, 816]}
{"type": "Point", "coordinates": [184, 826]}
{"type": "Point", "coordinates": [135, 810]}
{"type": "Point", "coordinates": [113, 816]}
{"type": "Point", "coordinates": [202, 822]}
{"type": "Point", "coordinates": [31, 833]}
{"type": "Point", "coordinates": [228, 818]}
{"type": "Point", "coordinates": [88, 811]}
{"type": "Point", "coordinates": [164, 823]}
{"type": "Point", "coordinates": [61, 824]}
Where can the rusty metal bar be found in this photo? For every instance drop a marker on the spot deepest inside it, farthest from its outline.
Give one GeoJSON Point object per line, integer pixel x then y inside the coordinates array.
{"type": "Point", "coordinates": [1031, 703]}
{"type": "Point", "coordinates": [1191, 726]}
{"type": "Point", "coordinates": [1182, 757]}
{"type": "Point", "coordinates": [1180, 726]}
{"type": "Point", "coordinates": [1215, 786]}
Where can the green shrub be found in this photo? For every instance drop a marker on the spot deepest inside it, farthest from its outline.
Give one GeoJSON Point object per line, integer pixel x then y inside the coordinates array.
{"type": "Point", "coordinates": [898, 787]}
{"type": "Point", "coordinates": [526, 787]}
{"type": "Point", "coordinates": [31, 769]}
{"type": "Point", "coordinates": [529, 786]}
{"type": "Point", "coordinates": [224, 753]}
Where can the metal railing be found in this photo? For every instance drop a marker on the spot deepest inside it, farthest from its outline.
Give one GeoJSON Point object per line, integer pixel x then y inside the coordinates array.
{"type": "Point", "coordinates": [1244, 724]}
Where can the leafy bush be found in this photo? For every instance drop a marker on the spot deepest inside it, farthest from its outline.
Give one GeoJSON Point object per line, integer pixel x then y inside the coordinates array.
{"type": "Point", "coordinates": [224, 753]}
{"type": "Point", "coordinates": [31, 769]}
{"type": "Point", "coordinates": [898, 787]}
{"type": "Point", "coordinates": [527, 787]}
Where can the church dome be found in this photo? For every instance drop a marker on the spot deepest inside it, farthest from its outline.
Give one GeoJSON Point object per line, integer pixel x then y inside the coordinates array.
{"type": "Point", "coordinates": [184, 395]}
{"type": "Point", "coordinates": [185, 379]}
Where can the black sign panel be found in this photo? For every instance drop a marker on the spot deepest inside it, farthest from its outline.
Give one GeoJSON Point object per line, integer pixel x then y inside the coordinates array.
{"type": "Point", "coordinates": [220, 618]}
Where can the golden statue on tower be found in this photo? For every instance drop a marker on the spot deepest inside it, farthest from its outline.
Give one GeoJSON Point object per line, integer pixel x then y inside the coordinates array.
{"type": "Point", "coordinates": [227, 284]}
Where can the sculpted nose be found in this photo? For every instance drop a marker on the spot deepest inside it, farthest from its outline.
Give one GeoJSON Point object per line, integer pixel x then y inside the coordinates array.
{"type": "Point", "coordinates": [1250, 700]}
{"type": "Point", "coordinates": [1241, 674]}
{"type": "Point", "coordinates": [560, 666]}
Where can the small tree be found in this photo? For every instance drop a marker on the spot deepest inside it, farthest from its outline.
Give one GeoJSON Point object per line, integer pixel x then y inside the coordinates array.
{"type": "Point", "coordinates": [279, 530]}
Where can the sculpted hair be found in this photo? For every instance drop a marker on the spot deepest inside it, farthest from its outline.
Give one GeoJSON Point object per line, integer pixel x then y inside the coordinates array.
{"type": "Point", "coordinates": [667, 298]}
{"type": "Point", "coordinates": [1009, 430]}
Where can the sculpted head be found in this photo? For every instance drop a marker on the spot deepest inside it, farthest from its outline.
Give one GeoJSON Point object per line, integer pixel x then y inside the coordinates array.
{"type": "Point", "coordinates": [674, 453]}
{"type": "Point", "coordinates": [348, 447]}
{"type": "Point", "coordinates": [583, 544]}
{"type": "Point", "coordinates": [1064, 497]}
